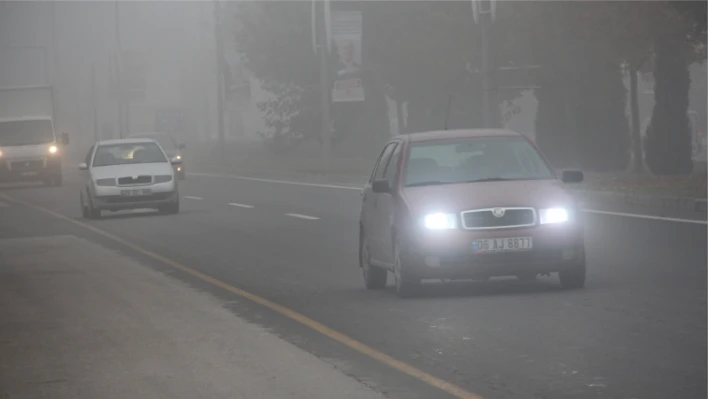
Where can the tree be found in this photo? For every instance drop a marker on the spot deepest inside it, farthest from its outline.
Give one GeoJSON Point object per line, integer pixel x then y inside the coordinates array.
{"type": "Point", "coordinates": [679, 33]}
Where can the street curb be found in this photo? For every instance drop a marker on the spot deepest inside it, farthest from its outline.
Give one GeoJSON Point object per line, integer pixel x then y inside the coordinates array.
{"type": "Point", "coordinates": [662, 206]}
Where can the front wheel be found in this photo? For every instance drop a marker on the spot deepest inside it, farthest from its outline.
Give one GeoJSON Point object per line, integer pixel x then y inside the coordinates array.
{"type": "Point", "coordinates": [407, 284]}
{"type": "Point", "coordinates": [374, 277]}
{"type": "Point", "coordinates": [171, 209]}
{"type": "Point", "coordinates": [573, 278]}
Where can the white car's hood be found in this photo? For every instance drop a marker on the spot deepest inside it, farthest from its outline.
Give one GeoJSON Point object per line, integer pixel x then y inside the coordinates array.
{"type": "Point", "coordinates": [115, 171]}
{"type": "Point", "coordinates": [25, 151]}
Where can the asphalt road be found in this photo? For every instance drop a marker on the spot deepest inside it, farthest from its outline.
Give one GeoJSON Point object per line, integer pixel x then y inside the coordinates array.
{"type": "Point", "coordinates": [638, 330]}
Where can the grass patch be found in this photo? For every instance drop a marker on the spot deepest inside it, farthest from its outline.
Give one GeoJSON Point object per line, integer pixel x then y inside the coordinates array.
{"type": "Point", "coordinates": [693, 186]}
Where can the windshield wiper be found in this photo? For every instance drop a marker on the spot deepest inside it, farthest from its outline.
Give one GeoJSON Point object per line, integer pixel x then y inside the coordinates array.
{"type": "Point", "coordinates": [427, 183]}
{"type": "Point", "coordinates": [487, 179]}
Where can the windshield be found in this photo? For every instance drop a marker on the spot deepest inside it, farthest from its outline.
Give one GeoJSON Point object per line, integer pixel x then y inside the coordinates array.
{"type": "Point", "coordinates": [127, 154]}
{"type": "Point", "coordinates": [163, 140]}
{"type": "Point", "coordinates": [474, 160]}
{"type": "Point", "coordinates": [26, 132]}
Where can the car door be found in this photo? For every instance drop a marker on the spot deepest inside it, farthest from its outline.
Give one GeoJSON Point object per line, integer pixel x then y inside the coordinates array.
{"type": "Point", "coordinates": [369, 201]}
{"type": "Point", "coordinates": [385, 206]}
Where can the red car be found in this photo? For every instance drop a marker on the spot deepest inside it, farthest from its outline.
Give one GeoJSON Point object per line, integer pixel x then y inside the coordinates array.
{"type": "Point", "coordinates": [468, 204]}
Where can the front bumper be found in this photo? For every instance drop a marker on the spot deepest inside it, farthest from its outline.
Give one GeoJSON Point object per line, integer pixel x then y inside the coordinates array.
{"type": "Point", "coordinates": [30, 169]}
{"type": "Point", "coordinates": [430, 254]}
{"type": "Point", "coordinates": [112, 198]}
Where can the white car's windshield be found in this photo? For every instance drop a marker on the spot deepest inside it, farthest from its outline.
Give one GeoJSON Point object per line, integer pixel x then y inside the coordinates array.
{"type": "Point", "coordinates": [474, 160]}
{"type": "Point", "coordinates": [126, 154]}
{"type": "Point", "coordinates": [26, 132]}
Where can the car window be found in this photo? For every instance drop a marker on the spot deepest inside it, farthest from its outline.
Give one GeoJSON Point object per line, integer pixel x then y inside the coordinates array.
{"type": "Point", "coordinates": [474, 159]}
{"type": "Point", "coordinates": [128, 153]}
{"type": "Point", "coordinates": [392, 166]}
{"type": "Point", "coordinates": [383, 160]}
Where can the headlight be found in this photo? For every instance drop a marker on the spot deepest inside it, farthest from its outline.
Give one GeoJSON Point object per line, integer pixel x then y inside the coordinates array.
{"type": "Point", "coordinates": [553, 215]}
{"type": "Point", "coordinates": [53, 149]}
{"type": "Point", "coordinates": [163, 178]}
{"type": "Point", "coordinates": [178, 157]}
{"type": "Point", "coordinates": [0, 153]}
{"type": "Point", "coordinates": [106, 182]}
{"type": "Point", "coordinates": [440, 221]}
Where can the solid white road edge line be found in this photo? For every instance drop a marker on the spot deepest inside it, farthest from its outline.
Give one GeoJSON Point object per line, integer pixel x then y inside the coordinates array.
{"type": "Point", "coordinates": [193, 198]}
{"type": "Point", "coordinates": [240, 205]}
{"type": "Point", "coordinates": [594, 211]}
{"type": "Point", "coordinates": [638, 216]}
{"type": "Point", "coordinates": [294, 183]}
{"type": "Point", "coordinates": [297, 215]}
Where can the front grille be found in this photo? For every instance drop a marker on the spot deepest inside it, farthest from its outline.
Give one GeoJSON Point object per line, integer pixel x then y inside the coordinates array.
{"type": "Point", "coordinates": [128, 180]}
{"type": "Point", "coordinates": [27, 165]}
{"type": "Point", "coordinates": [486, 219]}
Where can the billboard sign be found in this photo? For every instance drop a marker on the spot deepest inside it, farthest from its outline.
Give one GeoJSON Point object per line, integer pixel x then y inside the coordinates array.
{"type": "Point", "coordinates": [346, 34]}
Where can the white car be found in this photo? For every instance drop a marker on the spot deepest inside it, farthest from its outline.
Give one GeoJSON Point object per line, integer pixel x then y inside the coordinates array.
{"type": "Point", "coordinates": [128, 174]}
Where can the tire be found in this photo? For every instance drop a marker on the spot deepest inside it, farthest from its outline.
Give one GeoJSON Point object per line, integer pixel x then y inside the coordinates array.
{"type": "Point", "coordinates": [374, 277]}
{"type": "Point", "coordinates": [92, 212]}
{"type": "Point", "coordinates": [573, 278]}
{"type": "Point", "coordinates": [84, 208]}
{"type": "Point", "coordinates": [407, 285]}
{"type": "Point", "coordinates": [171, 209]}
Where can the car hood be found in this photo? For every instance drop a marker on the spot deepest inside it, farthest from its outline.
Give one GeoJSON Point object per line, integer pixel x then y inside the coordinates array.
{"type": "Point", "coordinates": [114, 171]}
{"type": "Point", "coordinates": [461, 197]}
{"type": "Point", "coordinates": [26, 151]}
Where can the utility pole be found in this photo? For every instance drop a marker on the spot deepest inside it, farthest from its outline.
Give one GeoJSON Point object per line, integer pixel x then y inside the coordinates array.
{"type": "Point", "coordinates": [484, 13]}
{"type": "Point", "coordinates": [219, 78]}
{"type": "Point", "coordinates": [119, 76]}
{"type": "Point", "coordinates": [93, 102]}
{"type": "Point", "coordinates": [320, 42]}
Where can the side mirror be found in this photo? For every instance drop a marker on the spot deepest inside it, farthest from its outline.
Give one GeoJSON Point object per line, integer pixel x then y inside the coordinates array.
{"type": "Point", "coordinates": [65, 138]}
{"type": "Point", "coordinates": [182, 146]}
{"type": "Point", "coordinates": [381, 186]}
{"type": "Point", "coordinates": [176, 161]}
{"type": "Point", "coordinates": [83, 166]}
{"type": "Point", "coordinates": [572, 176]}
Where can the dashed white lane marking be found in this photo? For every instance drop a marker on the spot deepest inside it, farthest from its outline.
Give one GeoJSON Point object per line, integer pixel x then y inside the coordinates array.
{"type": "Point", "coordinates": [293, 183]}
{"type": "Point", "coordinates": [299, 216]}
{"type": "Point", "coordinates": [193, 198]}
{"type": "Point", "coordinates": [240, 205]}
{"type": "Point", "coordinates": [591, 211]}
{"type": "Point", "coordinates": [638, 216]}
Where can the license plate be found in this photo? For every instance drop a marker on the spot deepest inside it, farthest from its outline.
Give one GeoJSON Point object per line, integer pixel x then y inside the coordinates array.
{"type": "Point", "coordinates": [508, 244]}
{"type": "Point", "coordinates": [135, 193]}
{"type": "Point", "coordinates": [32, 173]}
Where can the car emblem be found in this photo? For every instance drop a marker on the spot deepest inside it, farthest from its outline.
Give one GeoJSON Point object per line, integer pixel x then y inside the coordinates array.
{"type": "Point", "coordinates": [498, 212]}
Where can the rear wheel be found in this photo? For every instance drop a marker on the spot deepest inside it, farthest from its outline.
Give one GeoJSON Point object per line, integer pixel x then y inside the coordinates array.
{"type": "Point", "coordinates": [374, 277]}
{"type": "Point", "coordinates": [407, 284]}
{"type": "Point", "coordinates": [573, 278]}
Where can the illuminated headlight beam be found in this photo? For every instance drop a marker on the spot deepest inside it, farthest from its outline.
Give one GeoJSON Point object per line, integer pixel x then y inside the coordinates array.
{"type": "Point", "coordinates": [440, 221]}
{"type": "Point", "coordinates": [553, 215]}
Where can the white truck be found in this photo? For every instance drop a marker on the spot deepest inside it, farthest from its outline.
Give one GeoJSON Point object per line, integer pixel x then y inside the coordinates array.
{"type": "Point", "coordinates": [29, 147]}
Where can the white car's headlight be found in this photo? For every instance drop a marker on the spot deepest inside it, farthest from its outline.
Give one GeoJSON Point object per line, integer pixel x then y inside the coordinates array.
{"type": "Point", "coordinates": [440, 221]}
{"type": "Point", "coordinates": [106, 182]}
{"type": "Point", "coordinates": [53, 149]}
{"type": "Point", "coordinates": [553, 215]}
{"type": "Point", "coordinates": [163, 178]}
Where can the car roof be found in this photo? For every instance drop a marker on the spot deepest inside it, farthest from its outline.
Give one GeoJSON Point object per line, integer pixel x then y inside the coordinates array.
{"type": "Point", "coordinates": [126, 141]}
{"type": "Point", "coordinates": [459, 134]}
{"type": "Point", "coordinates": [149, 134]}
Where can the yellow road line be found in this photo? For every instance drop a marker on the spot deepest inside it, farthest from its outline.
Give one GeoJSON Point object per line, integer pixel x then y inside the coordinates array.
{"type": "Point", "coordinates": [406, 368]}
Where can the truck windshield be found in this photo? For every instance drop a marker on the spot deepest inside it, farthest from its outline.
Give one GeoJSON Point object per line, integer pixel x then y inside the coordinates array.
{"type": "Point", "coordinates": [26, 132]}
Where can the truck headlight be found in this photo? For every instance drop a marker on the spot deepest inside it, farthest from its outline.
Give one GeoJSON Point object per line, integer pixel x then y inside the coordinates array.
{"type": "Point", "coordinates": [553, 215]}
{"type": "Point", "coordinates": [440, 221]}
{"type": "Point", "coordinates": [53, 149]}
